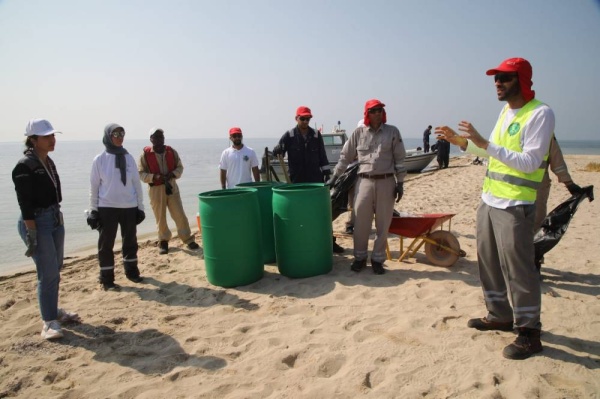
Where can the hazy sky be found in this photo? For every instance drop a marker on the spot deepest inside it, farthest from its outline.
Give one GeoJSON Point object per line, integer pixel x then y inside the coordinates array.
{"type": "Point", "coordinates": [196, 68]}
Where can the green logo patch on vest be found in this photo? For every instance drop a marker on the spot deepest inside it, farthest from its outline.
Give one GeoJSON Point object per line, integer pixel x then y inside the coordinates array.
{"type": "Point", "coordinates": [514, 128]}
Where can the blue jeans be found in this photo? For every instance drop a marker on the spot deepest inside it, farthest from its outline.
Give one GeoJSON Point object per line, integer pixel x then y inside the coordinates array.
{"type": "Point", "coordinates": [48, 257]}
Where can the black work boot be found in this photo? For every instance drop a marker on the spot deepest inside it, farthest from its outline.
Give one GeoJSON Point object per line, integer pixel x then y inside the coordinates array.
{"type": "Point", "coordinates": [527, 343]}
{"type": "Point", "coordinates": [163, 247]}
{"type": "Point", "coordinates": [483, 324]}
{"type": "Point", "coordinates": [377, 267]}
{"type": "Point", "coordinates": [358, 265]}
{"type": "Point", "coordinates": [132, 272]}
{"type": "Point", "coordinates": [107, 279]}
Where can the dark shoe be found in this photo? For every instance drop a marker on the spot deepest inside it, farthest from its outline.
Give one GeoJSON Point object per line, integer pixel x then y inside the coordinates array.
{"type": "Point", "coordinates": [163, 247]}
{"type": "Point", "coordinates": [337, 249]}
{"type": "Point", "coordinates": [349, 229]}
{"type": "Point", "coordinates": [483, 324]}
{"type": "Point", "coordinates": [192, 245]}
{"type": "Point", "coordinates": [377, 267]}
{"type": "Point", "coordinates": [527, 343]}
{"type": "Point", "coordinates": [358, 265]}
{"type": "Point", "coordinates": [111, 287]}
{"type": "Point", "coordinates": [135, 279]}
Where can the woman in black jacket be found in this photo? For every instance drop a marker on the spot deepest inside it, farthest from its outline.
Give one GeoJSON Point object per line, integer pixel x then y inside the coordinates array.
{"type": "Point", "coordinates": [41, 224]}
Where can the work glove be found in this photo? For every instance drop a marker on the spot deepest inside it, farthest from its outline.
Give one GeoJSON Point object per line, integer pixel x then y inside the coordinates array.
{"type": "Point", "coordinates": [168, 188]}
{"type": "Point", "coordinates": [399, 192]}
{"type": "Point", "coordinates": [140, 216]}
{"type": "Point", "coordinates": [574, 189]}
{"type": "Point", "coordinates": [277, 150]}
{"type": "Point", "coordinates": [331, 181]}
{"type": "Point", "coordinates": [93, 220]}
{"type": "Point", "coordinates": [31, 242]}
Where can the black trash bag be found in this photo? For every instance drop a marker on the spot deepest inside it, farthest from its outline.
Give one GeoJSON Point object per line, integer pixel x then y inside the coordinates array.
{"type": "Point", "coordinates": [556, 222]}
{"type": "Point", "coordinates": [339, 192]}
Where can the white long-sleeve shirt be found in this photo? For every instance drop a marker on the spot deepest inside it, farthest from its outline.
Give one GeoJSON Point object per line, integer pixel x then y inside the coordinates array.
{"type": "Point", "coordinates": [107, 189]}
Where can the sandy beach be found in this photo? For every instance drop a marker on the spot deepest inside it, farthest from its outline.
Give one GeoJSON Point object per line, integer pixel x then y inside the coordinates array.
{"type": "Point", "coordinates": [340, 335]}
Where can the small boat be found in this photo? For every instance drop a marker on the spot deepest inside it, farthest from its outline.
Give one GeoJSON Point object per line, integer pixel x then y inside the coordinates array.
{"type": "Point", "coordinates": [416, 160]}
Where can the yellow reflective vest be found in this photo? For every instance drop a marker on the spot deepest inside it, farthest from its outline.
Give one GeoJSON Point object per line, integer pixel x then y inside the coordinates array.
{"type": "Point", "coordinates": [501, 180]}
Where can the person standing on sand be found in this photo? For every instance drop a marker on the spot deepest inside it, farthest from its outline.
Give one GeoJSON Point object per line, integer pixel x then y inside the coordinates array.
{"type": "Point", "coordinates": [307, 159]}
{"type": "Point", "coordinates": [160, 167]}
{"type": "Point", "coordinates": [380, 152]}
{"type": "Point", "coordinates": [41, 225]}
{"type": "Point", "coordinates": [426, 135]}
{"type": "Point", "coordinates": [116, 199]}
{"type": "Point", "coordinates": [517, 151]}
{"type": "Point", "coordinates": [238, 163]}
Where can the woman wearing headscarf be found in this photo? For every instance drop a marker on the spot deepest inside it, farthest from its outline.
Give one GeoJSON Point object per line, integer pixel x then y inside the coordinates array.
{"type": "Point", "coordinates": [116, 199]}
{"type": "Point", "coordinates": [41, 224]}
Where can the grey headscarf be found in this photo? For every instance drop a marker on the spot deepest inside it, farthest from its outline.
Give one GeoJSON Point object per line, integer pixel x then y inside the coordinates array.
{"type": "Point", "coordinates": [119, 152]}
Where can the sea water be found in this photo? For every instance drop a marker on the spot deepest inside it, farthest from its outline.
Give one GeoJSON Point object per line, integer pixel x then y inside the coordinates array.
{"type": "Point", "coordinates": [200, 158]}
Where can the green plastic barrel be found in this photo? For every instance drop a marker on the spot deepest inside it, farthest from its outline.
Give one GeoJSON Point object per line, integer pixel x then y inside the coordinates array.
{"type": "Point", "coordinates": [303, 232]}
{"type": "Point", "coordinates": [231, 236]}
{"type": "Point", "coordinates": [265, 203]}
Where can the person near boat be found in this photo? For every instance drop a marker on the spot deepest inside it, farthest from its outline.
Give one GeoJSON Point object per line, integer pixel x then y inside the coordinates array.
{"type": "Point", "coordinates": [238, 163]}
{"type": "Point", "coordinates": [160, 166]}
{"type": "Point", "coordinates": [116, 200]}
{"type": "Point", "coordinates": [518, 152]}
{"type": "Point", "coordinates": [380, 152]}
{"type": "Point", "coordinates": [40, 224]}
{"type": "Point", "coordinates": [443, 153]}
{"type": "Point", "coordinates": [426, 135]}
{"type": "Point", "coordinates": [307, 159]}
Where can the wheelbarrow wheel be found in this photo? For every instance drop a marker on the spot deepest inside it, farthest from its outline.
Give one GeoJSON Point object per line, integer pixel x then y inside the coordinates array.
{"type": "Point", "coordinates": [438, 255]}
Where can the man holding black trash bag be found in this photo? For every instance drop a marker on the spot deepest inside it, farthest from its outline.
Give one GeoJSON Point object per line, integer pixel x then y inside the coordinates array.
{"type": "Point", "coordinates": [160, 166]}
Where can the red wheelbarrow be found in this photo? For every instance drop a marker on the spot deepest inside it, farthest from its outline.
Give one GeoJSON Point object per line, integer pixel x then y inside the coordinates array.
{"type": "Point", "coordinates": [441, 246]}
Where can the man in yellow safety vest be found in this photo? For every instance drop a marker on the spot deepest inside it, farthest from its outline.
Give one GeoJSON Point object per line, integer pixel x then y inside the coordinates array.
{"type": "Point", "coordinates": [518, 154]}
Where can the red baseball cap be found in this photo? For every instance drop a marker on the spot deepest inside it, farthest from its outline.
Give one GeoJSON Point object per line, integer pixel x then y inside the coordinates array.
{"type": "Point", "coordinates": [524, 71]}
{"type": "Point", "coordinates": [303, 111]}
{"type": "Point", "coordinates": [374, 103]}
{"type": "Point", "coordinates": [235, 130]}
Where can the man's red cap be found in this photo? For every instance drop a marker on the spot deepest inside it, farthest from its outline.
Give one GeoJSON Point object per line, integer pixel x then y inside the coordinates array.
{"type": "Point", "coordinates": [235, 130]}
{"type": "Point", "coordinates": [374, 103]}
{"type": "Point", "coordinates": [524, 71]}
{"type": "Point", "coordinates": [303, 111]}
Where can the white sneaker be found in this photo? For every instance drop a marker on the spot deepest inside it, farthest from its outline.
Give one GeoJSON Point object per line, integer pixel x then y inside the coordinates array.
{"type": "Point", "coordinates": [65, 317]}
{"type": "Point", "coordinates": [51, 330]}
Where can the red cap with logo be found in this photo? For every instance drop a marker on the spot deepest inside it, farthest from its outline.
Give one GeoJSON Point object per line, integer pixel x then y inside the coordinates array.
{"type": "Point", "coordinates": [524, 71]}
{"type": "Point", "coordinates": [235, 130]}
{"type": "Point", "coordinates": [303, 111]}
{"type": "Point", "coordinates": [374, 103]}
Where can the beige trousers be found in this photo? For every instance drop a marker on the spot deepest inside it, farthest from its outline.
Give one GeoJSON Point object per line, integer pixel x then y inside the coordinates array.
{"type": "Point", "coordinates": [373, 197]}
{"type": "Point", "coordinates": [160, 202]}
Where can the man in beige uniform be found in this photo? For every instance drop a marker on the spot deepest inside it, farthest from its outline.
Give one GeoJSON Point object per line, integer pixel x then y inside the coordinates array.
{"type": "Point", "coordinates": [379, 150]}
{"type": "Point", "coordinates": [160, 166]}
{"type": "Point", "coordinates": [557, 164]}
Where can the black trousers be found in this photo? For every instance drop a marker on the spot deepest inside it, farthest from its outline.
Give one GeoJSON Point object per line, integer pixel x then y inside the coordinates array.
{"type": "Point", "coordinates": [111, 219]}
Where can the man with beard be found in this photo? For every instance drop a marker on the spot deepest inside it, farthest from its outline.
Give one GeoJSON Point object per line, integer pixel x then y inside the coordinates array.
{"type": "Point", "coordinates": [518, 154]}
{"type": "Point", "coordinates": [305, 150]}
{"type": "Point", "coordinates": [160, 167]}
{"type": "Point", "coordinates": [238, 163]}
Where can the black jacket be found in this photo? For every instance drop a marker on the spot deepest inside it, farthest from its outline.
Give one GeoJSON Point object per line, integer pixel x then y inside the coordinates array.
{"type": "Point", "coordinates": [307, 160]}
{"type": "Point", "coordinates": [34, 187]}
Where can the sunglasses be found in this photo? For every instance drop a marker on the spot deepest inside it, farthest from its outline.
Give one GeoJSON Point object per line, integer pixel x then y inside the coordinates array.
{"type": "Point", "coordinates": [304, 118]}
{"type": "Point", "coordinates": [236, 135]}
{"type": "Point", "coordinates": [504, 77]}
{"type": "Point", "coordinates": [375, 110]}
{"type": "Point", "coordinates": [119, 134]}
